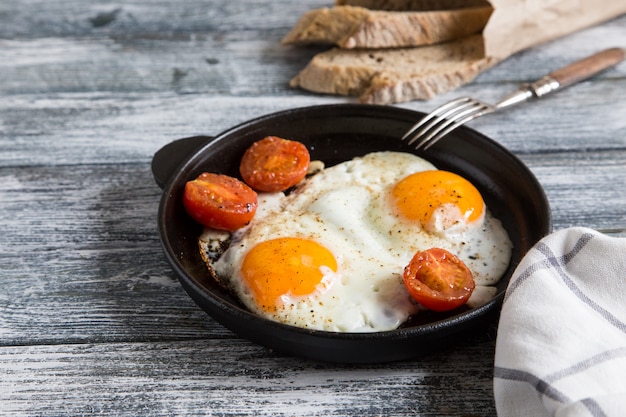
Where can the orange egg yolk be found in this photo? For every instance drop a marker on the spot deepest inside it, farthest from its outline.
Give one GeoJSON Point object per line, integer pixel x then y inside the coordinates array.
{"type": "Point", "coordinates": [419, 195]}
{"type": "Point", "coordinates": [285, 266]}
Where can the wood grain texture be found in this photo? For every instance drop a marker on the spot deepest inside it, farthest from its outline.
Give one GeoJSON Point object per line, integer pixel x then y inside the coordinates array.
{"type": "Point", "coordinates": [588, 67]}
{"type": "Point", "coordinates": [92, 318]}
{"type": "Point", "coordinates": [122, 127]}
{"type": "Point", "coordinates": [198, 378]}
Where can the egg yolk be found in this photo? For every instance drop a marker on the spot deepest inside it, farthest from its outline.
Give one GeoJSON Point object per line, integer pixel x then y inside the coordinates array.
{"type": "Point", "coordinates": [285, 266]}
{"type": "Point", "coordinates": [419, 195]}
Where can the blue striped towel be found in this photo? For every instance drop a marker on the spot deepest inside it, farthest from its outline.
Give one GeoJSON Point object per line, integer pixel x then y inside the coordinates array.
{"type": "Point", "coordinates": [561, 344]}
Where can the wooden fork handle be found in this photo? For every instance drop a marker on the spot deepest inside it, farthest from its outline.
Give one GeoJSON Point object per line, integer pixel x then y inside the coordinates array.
{"type": "Point", "coordinates": [588, 67]}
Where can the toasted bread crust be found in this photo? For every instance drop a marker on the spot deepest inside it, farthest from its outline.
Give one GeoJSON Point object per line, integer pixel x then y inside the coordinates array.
{"type": "Point", "coordinates": [395, 75]}
{"type": "Point", "coordinates": [357, 27]}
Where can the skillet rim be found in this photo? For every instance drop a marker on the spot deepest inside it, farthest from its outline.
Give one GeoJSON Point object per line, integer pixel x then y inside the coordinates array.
{"type": "Point", "coordinates": [226, 313]}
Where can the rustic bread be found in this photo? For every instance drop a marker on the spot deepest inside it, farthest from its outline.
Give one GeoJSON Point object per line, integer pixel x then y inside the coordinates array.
{"type": "Point", "coordinates": [395, 75]}
{"type": "Point", "coordinates": [415, 5]}
{"type": "Point", "coordinates": [357, 27]}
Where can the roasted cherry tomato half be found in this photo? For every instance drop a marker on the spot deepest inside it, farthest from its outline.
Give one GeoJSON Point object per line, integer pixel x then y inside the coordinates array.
{"type": "Point", "coordinates": [438, 280]}
{"type": "Point", "coordinates": [219, 201]}
{"type": "Point", "coordinates": [274, 164]}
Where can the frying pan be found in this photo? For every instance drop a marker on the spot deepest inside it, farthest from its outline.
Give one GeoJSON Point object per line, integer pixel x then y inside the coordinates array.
{"type": "Point", "coordinates": [335, 133]}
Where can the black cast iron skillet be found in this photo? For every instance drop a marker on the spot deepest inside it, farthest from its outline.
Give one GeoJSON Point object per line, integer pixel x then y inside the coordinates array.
{"type": "Point", "coordinates": [335, 133]}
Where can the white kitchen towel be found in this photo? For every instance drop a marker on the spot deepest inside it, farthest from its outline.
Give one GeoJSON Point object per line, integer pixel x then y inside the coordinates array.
{"type": "Point", "coordinates": [561, 343]}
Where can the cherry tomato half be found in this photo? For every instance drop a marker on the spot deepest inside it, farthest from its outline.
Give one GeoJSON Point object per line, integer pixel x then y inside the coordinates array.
{"type": "Point", "coordinates": [219, 201]}
{"type": "Point", "coordinates": [438, 280]}
{"type": "Point", "coordinates": [274, 164]}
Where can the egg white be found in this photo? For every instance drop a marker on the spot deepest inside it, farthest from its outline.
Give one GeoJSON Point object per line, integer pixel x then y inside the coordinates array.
{"type": "Point", "coordinates": [347, 208]}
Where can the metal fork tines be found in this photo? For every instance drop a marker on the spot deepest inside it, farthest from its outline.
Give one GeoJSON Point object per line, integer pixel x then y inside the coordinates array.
{"type": "Point", "coordinates": [451, 115]}
{"type": "Point", "coordinates": [444, 119]}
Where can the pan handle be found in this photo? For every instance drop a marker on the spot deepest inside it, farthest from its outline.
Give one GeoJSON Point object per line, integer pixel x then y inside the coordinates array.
{"type": "Point", "coordinates": [167, 159]}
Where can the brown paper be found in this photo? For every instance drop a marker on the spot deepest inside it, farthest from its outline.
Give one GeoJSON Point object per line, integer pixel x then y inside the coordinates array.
{"type": "Point", "coordinates": [513, 26]}
{"type": "Point", "coordinates": [517, 24]}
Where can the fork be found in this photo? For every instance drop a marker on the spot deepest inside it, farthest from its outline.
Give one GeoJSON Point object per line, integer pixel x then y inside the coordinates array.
{"type": "Point", "coordinates": [455, 113]}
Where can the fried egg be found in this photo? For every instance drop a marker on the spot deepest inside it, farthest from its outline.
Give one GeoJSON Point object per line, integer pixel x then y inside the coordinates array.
{"type": "Point", "coordinates": [330, 254]}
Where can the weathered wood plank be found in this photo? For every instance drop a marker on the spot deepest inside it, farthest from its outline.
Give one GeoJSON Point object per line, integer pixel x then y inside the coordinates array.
{"type": "Point", "coordinates": [81, 247]}
{"type": "Point", "coordinates": [192, 46]}
{"type": "Point", "coordinates": [248, 66]}
{"type": "Point", "coordinates": [104, 128]}
{"type": "Point", "coordinates": [157, 19]}
{"type": "Point", "coordinates": [584, 189]}
{"type": "Point", "coordinates": [198, 378]}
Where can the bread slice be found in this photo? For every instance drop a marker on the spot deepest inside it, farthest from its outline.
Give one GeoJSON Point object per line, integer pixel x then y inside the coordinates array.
{"type": "Point", "coordinates": [358, 27]}
{"type": "Point", "coordinates": [414, 5]}
{"type": "Point", "coordinates": [395, 75]}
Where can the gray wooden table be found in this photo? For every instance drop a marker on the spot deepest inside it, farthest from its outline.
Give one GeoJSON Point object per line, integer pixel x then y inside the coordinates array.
{"type": "Point", "coordinates": [93, 320]}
